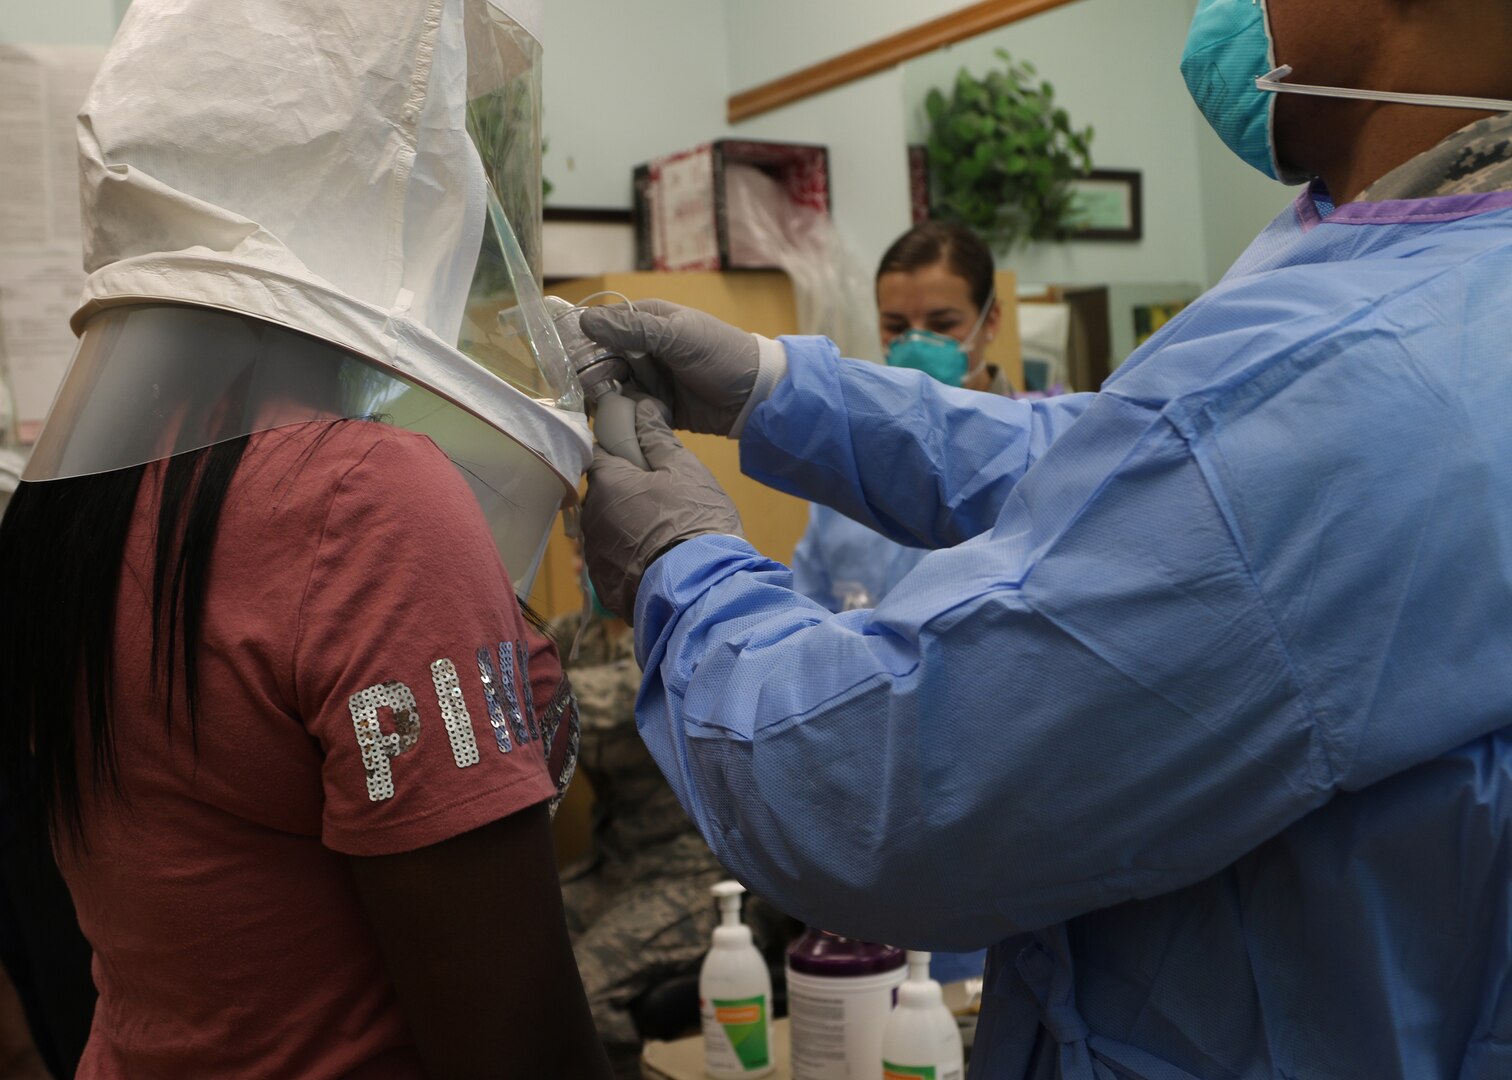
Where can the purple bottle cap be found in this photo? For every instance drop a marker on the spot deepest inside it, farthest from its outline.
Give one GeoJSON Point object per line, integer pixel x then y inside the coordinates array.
{"type": "Point", "coordinates": [819, 952]}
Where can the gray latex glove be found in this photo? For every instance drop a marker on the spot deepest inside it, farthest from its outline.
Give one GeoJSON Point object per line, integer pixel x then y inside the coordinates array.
{"type": "Point", "coordinates": [631, 516]}
{"type": "Point", "coordinates": [706, 367]}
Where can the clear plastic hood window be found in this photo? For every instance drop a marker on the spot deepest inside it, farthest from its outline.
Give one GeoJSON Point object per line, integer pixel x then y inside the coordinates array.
{"type": "Point", "coordinates": [505, 327]}
{"type": "Point", "coordinates": [232, 375]}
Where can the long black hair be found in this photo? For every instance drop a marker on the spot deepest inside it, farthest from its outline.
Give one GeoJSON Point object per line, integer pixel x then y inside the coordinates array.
{"type": "Point", "coordinates": [62, 543]}
{"type": "Point", "coordinates": [62, 546]}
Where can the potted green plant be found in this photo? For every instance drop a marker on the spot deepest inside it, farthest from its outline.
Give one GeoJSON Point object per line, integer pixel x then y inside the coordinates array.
{"type": "Point", "coordinates": [1002, 155]}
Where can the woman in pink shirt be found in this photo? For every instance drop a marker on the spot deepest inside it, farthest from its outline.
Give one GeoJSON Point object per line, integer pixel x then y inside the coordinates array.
{"type": "Point", "coordinates": [269, 682]}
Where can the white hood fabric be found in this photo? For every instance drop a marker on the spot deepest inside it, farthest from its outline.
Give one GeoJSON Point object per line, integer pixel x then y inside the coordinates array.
{"type": "Point", "coordinates": [305, 162]}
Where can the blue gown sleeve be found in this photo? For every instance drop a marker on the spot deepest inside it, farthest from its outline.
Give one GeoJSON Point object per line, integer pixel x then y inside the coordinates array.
{"type": "Point", "coordinates": [871, 441]}
{"type": "Point", "coordinates": [1084, 703]}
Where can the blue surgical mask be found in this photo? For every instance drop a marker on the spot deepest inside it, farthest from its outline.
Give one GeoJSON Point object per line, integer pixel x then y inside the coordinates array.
{"type": "Point", "coordinates": [1227, 49]}
{"type": "Point", "coordinates": [939, 356]}
{"type": "Point", "coordinates": [1230, 68]}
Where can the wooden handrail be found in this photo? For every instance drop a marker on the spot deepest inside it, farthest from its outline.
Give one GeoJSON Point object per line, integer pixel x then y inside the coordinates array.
{"type": "Point", "coordinates": [881, 55]}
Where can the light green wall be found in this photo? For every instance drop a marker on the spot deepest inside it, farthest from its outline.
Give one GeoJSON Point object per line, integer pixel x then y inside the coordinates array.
{"type": "Point", "coordinates": [1114, 67]}
{"type": "Point", "coordinates": [863, 126]}
{"type": "Point", "coordinates": [626, 81]}
{"type": "Point", "coordinates": [58, 22]}
{"type": "Point", "coordinates": [772, 38]}
{"type": "Point", "coordinates": [1237, 201]}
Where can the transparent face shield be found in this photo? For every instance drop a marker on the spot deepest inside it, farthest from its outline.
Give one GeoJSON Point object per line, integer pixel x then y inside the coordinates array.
{"type": "Point", "coordinates": [506, 327]}
{"type": "Point", "coordinates": [153, 380]}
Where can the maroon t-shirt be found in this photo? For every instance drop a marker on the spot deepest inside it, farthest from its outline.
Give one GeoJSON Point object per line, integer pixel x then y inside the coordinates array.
{"type": "Point", "coordinates": [368, 685]}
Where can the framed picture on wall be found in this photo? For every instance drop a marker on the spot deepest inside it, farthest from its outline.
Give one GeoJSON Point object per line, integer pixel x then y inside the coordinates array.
{"type": "Point", "coordinates": [1108, 204]}
{"type": "Point", "coordinates": [918, 182]}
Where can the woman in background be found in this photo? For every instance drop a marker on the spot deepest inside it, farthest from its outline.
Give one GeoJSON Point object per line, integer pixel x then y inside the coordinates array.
{"type": "Point", "coordinates": [937, 312]}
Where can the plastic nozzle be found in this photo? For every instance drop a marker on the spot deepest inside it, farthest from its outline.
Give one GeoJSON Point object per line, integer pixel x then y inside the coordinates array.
{"type": "Point", "coordinates": [603, 373]}
{"type": "Point", "coordinates": [728, 894]}
{"type": "Point", "coordinates": [918, 966]}
{"type": "Point", "coordinates": [614, 427]}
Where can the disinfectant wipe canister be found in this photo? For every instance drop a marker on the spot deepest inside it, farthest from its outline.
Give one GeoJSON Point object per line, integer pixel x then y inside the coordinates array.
{"type": "Point", "coordinates": [735, 997]}
{"type": "Point", "coordinates": [840, 993]}
{"type": "Point", "coordinates": [922, 1040]}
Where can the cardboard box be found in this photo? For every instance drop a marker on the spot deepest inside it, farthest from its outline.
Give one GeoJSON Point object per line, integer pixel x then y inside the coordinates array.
{"type": "Point", "coordinates": [681, 211]}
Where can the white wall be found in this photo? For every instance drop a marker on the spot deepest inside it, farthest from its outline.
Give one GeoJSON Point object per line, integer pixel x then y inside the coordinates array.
{"type": "Point", "coordinates": [625, 82]}
{"type": "Point", "coordinates": [1114, 66]}
{"type": "Point", "coordinates": [58, 22]}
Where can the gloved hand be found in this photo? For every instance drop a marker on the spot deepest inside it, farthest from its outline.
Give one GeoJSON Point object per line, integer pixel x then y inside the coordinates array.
{"type": "Point", "coordinates": [708, 366]}
{"type": "Point", "coordinates": [632, 516]}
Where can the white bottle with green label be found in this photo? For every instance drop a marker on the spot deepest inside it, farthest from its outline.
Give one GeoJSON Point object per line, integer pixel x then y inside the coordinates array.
{"type": "Point", "coordinates": [735, 997]}
{"type": "Point", "coordinates": [922, 1040]}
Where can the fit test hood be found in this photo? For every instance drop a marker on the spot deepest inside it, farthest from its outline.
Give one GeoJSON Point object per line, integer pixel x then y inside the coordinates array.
{"type": "Point", "coordinates": [303, 209]}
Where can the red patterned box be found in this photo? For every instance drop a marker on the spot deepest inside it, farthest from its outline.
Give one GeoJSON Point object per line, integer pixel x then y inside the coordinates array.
{"type": "Point", "coordinates": [681, 213]}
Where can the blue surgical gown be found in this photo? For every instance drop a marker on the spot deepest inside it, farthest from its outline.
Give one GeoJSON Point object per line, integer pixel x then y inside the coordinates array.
{"type": "Point", "coordinates": [1200, 711]}
{"type": "Point", "coordinates": [843, 565]}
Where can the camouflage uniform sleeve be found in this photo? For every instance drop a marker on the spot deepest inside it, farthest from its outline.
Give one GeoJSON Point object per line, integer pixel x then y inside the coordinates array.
{"type": "Point", "coordinates": [604, 675]}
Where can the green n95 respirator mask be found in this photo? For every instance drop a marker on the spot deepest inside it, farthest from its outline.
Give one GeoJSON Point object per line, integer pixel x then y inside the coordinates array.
{"type": "Point", "coordinates": [941, 357]}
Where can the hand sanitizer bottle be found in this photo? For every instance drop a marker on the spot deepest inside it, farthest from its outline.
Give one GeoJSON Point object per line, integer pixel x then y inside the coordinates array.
{"type": "Point", "coordinates": [922, 1041]}
{"type": "Point", "coordinates": [735, 997]}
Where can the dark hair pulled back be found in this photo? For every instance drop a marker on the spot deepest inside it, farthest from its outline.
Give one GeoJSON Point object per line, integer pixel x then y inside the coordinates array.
{"type": "Point", "coordinates": [934, 242]}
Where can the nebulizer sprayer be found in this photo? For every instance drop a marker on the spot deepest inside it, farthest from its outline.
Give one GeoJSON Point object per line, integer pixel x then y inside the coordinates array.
{"type": "Point", "coordinates": [605, 374]}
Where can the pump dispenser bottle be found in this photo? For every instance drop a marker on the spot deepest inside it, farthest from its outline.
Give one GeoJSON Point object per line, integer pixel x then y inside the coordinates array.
{"type": "Point", "coordinates": [735, 997]}
{"type": "Point", "coordinates": [921, 1041]}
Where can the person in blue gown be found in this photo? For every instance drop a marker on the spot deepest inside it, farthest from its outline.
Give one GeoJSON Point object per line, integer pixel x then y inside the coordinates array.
{"type": "Point", "coordinates": [1199, 709]}
{"type": "Point", "coordinates": [937, 311]}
